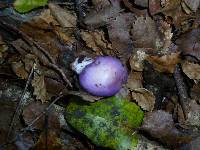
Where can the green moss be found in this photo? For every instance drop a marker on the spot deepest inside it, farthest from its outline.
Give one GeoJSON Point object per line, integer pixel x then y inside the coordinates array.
{"type": "Point", "coordinates": [23, 6]}
{"type": "Point", "coordinates": [109, 122]}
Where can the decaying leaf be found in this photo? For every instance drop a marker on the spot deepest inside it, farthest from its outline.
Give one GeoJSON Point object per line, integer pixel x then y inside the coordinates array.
{"type": "Point", "coordinates": [96, 40]}
{"type": "Point", "coordinates": [189, 43]}
{"type": "Point", "coordinates": [136, 60]}
{"type": "Point", "coordinates": [40, 88]}
{"type": "Point", "coordinates": [144, 98]}
{"type": "Point", "coordinates": [165, 63]}
{"type": "Point", "coordinates": [159, 124]}
{"type": "Point", "coordinates": [33, 110]}
{"type": "Point", "coordinates": [146, 34]}
{"type": "Point", "coordinates": [192, 4]}
{"type": "Point", "coordinates": [118, 31]}
{"type": "Point", "coordinates": [173, 9]}
{"type": "Point", "coordinates": [101, 17]}
{"type": "Point", "coordinates": [135, 80]}
{"type": "Point", "coordinates": [193, 116]}
{"type": "Point", "coordinates": [64, 17]}
{"type": "Point", "coordinates": [192, 70]}
{"type": "Point", "coordinates": [195, 92]}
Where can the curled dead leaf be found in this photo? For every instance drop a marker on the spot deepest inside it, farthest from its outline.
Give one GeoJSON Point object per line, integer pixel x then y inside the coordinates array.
{"type": "Point", "coordinates": [96, 40]}
{"type": "Point", "coordinates": [165, 63]}
{"type": "Point", "coordinates": [192, 70]}
{"type": "Point", "coordinates": [39, 86]}
{"type": "Point", "coordinates": [144, 98]}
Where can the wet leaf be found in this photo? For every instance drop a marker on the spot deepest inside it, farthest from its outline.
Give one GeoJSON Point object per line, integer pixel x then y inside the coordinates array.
{"type": "Point", "coordinates": [3, 47]}
{"type": "Point", "coordinates": [106, 123]}
{"type": "Point", "coordinates": [159, 124]}
{"type": "Point", "coordinates": [144, 98]}
{"type": "Point", "coordinates": [165, 63]}
{"type": "Point", "coordinates": [192, 70]}
{"type": "Point", "coordinates": [24, 6]}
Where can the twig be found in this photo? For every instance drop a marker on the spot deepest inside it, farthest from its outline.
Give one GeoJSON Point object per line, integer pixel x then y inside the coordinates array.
{"type": "Point", "coordinates": [50, 63]}
{"type": "Point", "coordinates": [20, 105]}
{"type": "Point", "coordinates": [182, 89]}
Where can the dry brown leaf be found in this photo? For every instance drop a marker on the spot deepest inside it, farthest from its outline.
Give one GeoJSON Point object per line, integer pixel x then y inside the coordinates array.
{"type": "Point", "coordinates": [95, 40]}
{"type": "Point", "coordinates": [39, 86]}
{"type": "Point", "coordinates": [192, 70]}
{"type": "Point", "coordinates": [135, 80]}
{"type": "Point", "coordinates": [63, 16]}
{"type": "Point", "coordinates": [19, 70]}
{"type": "Point", "coordinates": [144, 98]}
{"type": "Point", "coordinates": [164, 63]}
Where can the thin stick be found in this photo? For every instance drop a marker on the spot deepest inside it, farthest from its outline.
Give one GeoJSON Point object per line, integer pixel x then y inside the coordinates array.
{"type": "Point", "coordinates": [182, 89]}
{"type": "Point", "coordinates": [20, 105]}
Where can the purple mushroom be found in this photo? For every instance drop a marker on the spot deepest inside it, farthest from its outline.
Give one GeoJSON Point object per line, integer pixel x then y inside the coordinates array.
{"type": "Point", "coordinates": [104, 76]}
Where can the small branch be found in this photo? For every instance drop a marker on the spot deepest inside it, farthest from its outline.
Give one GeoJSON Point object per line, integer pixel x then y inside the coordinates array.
{"type": "Point", "coordinates": [50, 62]}
{"type": "Point", "coordinates": [182, 89]}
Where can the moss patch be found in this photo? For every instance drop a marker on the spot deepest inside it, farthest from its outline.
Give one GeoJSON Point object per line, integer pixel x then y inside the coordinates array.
{"type": "Point", "coordinates": [109, 122]}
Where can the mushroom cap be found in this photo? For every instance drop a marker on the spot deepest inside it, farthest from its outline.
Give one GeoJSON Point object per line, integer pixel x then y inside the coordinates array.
{"type": "Point", "coordinates": [103, 77]}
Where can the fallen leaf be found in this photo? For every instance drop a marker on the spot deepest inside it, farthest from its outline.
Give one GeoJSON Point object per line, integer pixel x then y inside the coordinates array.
{"type": "Point", "coordinates": [195, 92]}
{"type": "Point", "coordinates": [55, 115]}
{"type": "Point", "coordinates": [146, 34]}
{"type": "Point", "coordinates": [3, 47]}
{"type": "Point", "coordinates": [159, 124]}
{"type": "Point", "coordinates": [165, 63]}
{"type": "Point", "coordinates": [19, 70]}
{"type": "Point", "coordinates": [63, 16]}
{"type": "Point", "coordinates": [144, 98]}
{"type": "Point", "coordinates": [96, 40]}
{"type": "Point", "coordinates": [193, 115]}
{"type": "Point", "coordinates": [119, 35]}
{"type": "Point", "coordinates": [136, 60]}
{"type": "Point", "coordinates": [192, 70]}
{"type": "Point", "coordinates": [135, 80]}
{"type": "Point", "coordinates": [188, 43]}
{"type": "Point", "coordinates": [39, 86]}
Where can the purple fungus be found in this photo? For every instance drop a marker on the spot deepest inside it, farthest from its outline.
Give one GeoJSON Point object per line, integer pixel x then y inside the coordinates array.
{"type": "Point", "coordinates": [104, 76]}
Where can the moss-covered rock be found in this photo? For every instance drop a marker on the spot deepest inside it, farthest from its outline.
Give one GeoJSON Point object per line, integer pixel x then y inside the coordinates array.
{"type": "Point", "coordinates": [109, 122]}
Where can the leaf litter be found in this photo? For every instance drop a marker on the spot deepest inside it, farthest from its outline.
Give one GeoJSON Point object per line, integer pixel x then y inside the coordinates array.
{"type": "Point", "coordinates": [158, 42]}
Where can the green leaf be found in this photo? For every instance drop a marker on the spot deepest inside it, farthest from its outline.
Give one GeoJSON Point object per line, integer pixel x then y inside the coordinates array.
{"type": "Point", "coordinates": [109, 122]}
{"type": "Point", "coordinates": [24, 6]}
